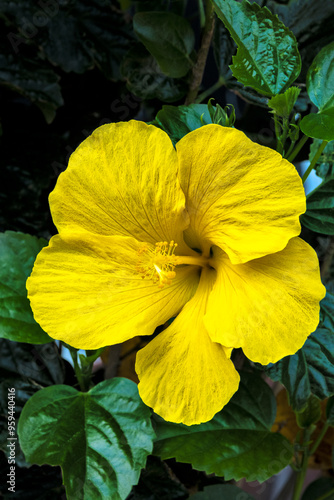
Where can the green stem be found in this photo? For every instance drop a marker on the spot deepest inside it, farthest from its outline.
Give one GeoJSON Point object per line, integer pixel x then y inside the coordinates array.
{"type": "Point", "coordinates": [327, 496]}
{"type": "Point", "coordinates": [77, 369]}
{"type": "Point", "coordinates": [300, 478]}
{"type": "Point", "coordinates": [290, 149]}
{"type": "Point", "coordinates": [307, 452]}
{"type": "Point", "coordinates": [285, 132]}
{"type": "Point", "coordinates": [319, 439]}
{"type": "Point", "coordinates": [315, 159]}
{"type": "Point", "coordinates": [93, 355]}
{"type": "Point", "coordinates": [83, 366]}
{"type": "Point", "coordinates": [304, 463]}
{"type": "Point", "coordinates": [299, 146]}
{"type": "Point", "coordinates": [208, 93]}
{"type": "Point", "coordinates": [198, 68]}
{"type": "Point", "coordinates": [279, 147]}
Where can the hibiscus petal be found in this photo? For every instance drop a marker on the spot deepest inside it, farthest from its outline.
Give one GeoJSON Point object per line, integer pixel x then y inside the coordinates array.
{"type": "Point", "coordinates": [240, 196]}
{"type": "Point", "coordinates": [122, 180]}
{"type": "Point", "coordinates": [268, 306]}
{"type": "Point", "coordinates": [184, 376]}
{"type": "Point", "coordinates": [86, 291]}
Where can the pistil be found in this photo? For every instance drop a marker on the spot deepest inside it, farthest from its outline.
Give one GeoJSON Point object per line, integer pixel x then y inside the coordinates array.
{"type": "Point", "coordinates": [192, 261]}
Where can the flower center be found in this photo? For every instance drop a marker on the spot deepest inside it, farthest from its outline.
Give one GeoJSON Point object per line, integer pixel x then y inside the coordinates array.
{"type": "Point", "coordinates": [158, 264]}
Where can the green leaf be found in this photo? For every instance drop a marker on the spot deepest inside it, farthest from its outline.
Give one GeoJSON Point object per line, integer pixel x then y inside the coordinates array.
{"type": "Point", "coordinates": [91, 356]}
{"type": "Point", "coordinates": [236, 443]}
{"type": "Point", "coordinates": [320, 79]}
{"type": "Point", "coordinates": [319, 125]}
{"type": "Point", "coordinates": [320, 88]}
{"type": "Point", "coordinates": [224, 48]}
{"type": "Point", "coordinates": [309, 371]}
{"type": "Point", "coordinates": [100, 439]}
{"type": "Point", "coordinates": [310, 414]}
{"type": "Point", "coordinates": [311, 26]}
{"type": "Point", "coordinates": [319, 489]}
{"type": "Point", "coordinates": [319, 216]}
{"type": "Point", "coordinates": [169, 38]}
{"type": "Point", "coordinates": [327, 311]}
{"type": "Point", "coordinates": [325, 164]}
{"type": "Point", "coordinates": [17, 256]}
{"type": "Point", "coordinates": [222, 491]}
{"type": "Point", "coordinates": [178, 121]}
{"type": "Point", "coordinates": [145, 79]}
{"type": "Point", "coordinates": [267, 59]}
{"type": "Point", "coordinates": [282, 104]}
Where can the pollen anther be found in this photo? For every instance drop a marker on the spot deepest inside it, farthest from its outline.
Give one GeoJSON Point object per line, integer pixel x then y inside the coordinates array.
{"type": "Point", "coordinates": [158, 263]}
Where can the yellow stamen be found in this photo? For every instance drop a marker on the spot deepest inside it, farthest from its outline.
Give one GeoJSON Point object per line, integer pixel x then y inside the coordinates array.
{"type": "Point", "coordinates": [158, 264]}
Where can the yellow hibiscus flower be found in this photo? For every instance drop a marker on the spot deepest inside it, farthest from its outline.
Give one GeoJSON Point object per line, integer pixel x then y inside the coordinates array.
{"type": "Point", "coordinates": [206, 232]}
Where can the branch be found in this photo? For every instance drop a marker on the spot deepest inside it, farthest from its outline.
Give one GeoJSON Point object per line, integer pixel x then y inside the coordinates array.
{"type": "Point", "coordinates": [198, 69]}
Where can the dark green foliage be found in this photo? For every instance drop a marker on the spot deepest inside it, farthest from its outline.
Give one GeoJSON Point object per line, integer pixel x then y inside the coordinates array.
{"type": "Point", "coordinates": [319, 215]}
{"type": "Point", "coordinates": [236, 443]}
{"type": "Point", "coordinates": [169, 38]}
{"type": "Point", "coordinates": [96, 437]}
{"type": "Point", "coordinates": [146, 80]}
{"type": "Point", "coordinates": [309, 371]}
{"type": "Point", "coordinates": [282, 104]}
{"type": "Point", "coordinates": [82, 64]}
{"type": "Point", "coordinates": [35, 80]}
{"type": "Point", "coordinates": [320, 88]}
{"type": "Point", "coordinates": [26, 368]}
{"type": "Point", "coordinates": [267, 58]}
{"type": "Point", "coordinates": [74, 35]}
{"type": "Point", "coordinates": [319, 489]}
{"type": "Point", "coordinates": [311, 414]}
{"type": "Point", "coordinates": [17, 255]}
{"type": "Point", "coordinates": [179, 121]}
{"type": "Point", "coordinates": [325, 164]}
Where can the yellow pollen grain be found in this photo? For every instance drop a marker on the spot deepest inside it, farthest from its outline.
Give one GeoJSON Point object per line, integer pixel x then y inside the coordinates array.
{"type": "Point", "coordinates": [157, 264]}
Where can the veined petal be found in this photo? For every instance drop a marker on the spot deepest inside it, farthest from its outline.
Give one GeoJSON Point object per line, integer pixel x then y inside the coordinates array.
{"type": "Point", "coordinates": [122, 180]}
{"type": "Point", "coordinates": [86, 291]}
{"type": "Point", "coordinates": [267, 306]}
{"type": "Point", "coordinates": [184, 376]}
{"type": "Point", "coordinates": [240, 196]}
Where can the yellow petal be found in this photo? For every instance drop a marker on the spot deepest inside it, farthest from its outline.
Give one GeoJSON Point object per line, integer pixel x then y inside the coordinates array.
{"type": "Point", "coordinates": [240, 196]}
{"type": "Point", "coordinates": [184, 376]}
{"type": "Point", "coordinates": [86, 291]}
{"type": "Point", "coordinates": [122, 180]}
{"type": "Point", "coordinates": [267, 306]}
